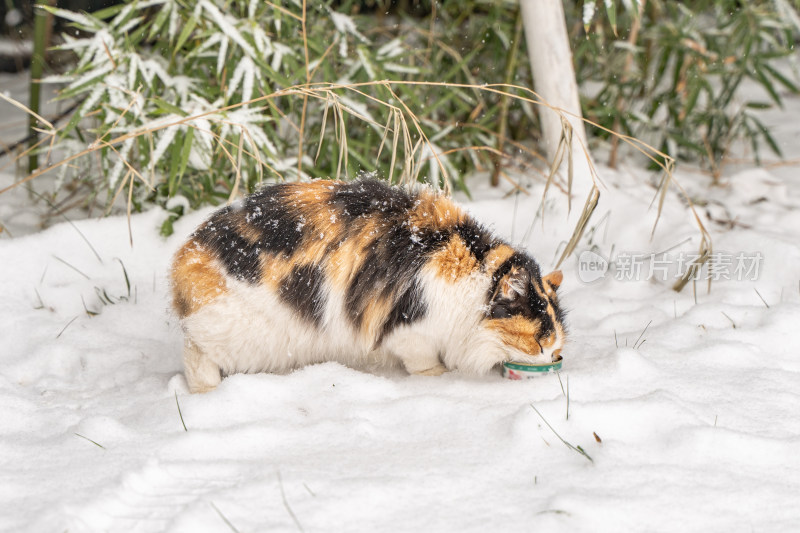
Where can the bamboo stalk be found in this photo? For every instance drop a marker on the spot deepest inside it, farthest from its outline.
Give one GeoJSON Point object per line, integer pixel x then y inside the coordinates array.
{"type": "Point", "coordinates": [626, 71]}
{"type": "Point", "coordinates": [42, 19]}
{"type": "Point", "coordinates": [511, 67]}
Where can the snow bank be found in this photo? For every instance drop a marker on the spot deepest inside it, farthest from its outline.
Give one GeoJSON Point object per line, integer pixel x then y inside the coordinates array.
{"type": "Point", "coordinates": [698, 423]}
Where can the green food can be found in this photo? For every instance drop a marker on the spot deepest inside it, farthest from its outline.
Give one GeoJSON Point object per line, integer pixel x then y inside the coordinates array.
{"type": "Point", "coordinates": [518, 371]}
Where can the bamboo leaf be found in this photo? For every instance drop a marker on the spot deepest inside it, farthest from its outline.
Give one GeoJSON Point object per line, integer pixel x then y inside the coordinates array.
{"type": "Point", "coordinates": [167, 108]}
{"type": "Point", "coordinates": [759, 105]}
{"type": "Point", "coordinates": [762, 129]}
{"type": "Point", "coordinates": [691, 100]}
{"type": "Point", "coordinates": [611, 12]}
{"type": "Point", "coordinates": [185, 151]}
{"type": "Point", "coordinates": [766, 84]}
{"type": "Point", "coordinates": [158, 23]}
{"type": "Point", "coordinates": [783, 80]}
{"type": "Point", "coordinates": [184, 35]}
{"type": "Point", "coordinates": [107, 12]}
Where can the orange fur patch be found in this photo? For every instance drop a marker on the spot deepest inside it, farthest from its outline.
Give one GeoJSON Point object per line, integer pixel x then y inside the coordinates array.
{"type": "Point", "coordinates": [496, 257]}
{"type": "Point", "coordinates": [454, 261]}
{"type": "Point", "coordinates": [313, 192]}
{"type": "Point", "coordinates": [348, 256]}
{"type": "Point", "coordinates": [313, 247]}
{"type": "Point", "coordinates": [548, 341]}
{"type": "Point", "coordinates": [251, 234]}
{"type": "Point", "coordinates": [343, 262]}
{"type": "Point", "coordinates": [323, 225]}
{"type": "Point", "coordinates": [554, 278]}
{"type": "Point", "coordinates": [374, 317]}
{"type": "Point", "coordinates": [312, 200]}
{"type": "Point", "coordinates": [518, 332]}
{"type": "Point", "coordinates": [196, 280]}
{"type": "Point", "coordinates": [434, 211]}
{"type": "Point", "coordinates": [274, 269]}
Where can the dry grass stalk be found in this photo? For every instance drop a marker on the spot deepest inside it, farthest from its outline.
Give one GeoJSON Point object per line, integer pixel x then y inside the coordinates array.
{"type": "Point", "coordinates": [583, 221]}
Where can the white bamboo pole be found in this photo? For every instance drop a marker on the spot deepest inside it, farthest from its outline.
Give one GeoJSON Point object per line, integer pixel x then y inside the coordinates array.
{"type": "Point", "coordinates": [553, 72]}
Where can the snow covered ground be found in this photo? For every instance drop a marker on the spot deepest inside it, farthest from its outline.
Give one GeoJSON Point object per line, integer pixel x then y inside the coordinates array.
{"type": "Point", "coordinates": [697, 411]}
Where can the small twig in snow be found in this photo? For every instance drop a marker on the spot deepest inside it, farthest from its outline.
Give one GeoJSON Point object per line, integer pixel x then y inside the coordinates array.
{"type": "Point", "coordinates": [286, 503]}
{"type": "Point", "coordinates": [567, 444]}
{"type": "Point", "coordinates": [41, 302]}
{"type": "Point", "coordinates": [558, 374]}
{"type": "Point", "coordinates": [224, 519]}
{"type": "Point", "coordinates": [762, 298]}
{"type": "Point", "coordinates": [90, 440]}
{"type": "Point", "coordinates": [72, 267]}
{"type": "Point", "coordinates": [553, 511]}
{"type": "Point", "coordinates": [86, 309]}
{"type": "Point", "coordinates": [640, 335]}
{"type": "Point", "coordinates": [179, 411]}
{"type": "Point", "coordinates": [729, 318]}
{"type": "Point", "coordinates": [65, 327]}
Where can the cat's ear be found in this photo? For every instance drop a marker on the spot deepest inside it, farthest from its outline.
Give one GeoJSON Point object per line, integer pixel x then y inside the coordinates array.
{"type": "Point", "coordinates": [554, 279]}
{"type": "Point", "coordinates": [514, 284]}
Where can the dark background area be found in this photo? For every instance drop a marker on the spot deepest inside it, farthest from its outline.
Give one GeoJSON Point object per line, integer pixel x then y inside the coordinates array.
{"type": "Point", "coordinates": [26, 9]}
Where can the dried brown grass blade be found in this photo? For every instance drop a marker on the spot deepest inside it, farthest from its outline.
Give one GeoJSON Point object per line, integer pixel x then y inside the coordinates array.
{"type": "Point", "coordinates": [238, 166]}
{"type": "Point", "coordinates": [567, 132]}
{"type": "Point", "coordinates": [583, 221]}
{"type": "Point", "coordinates": [558, 158]}
{"type": "Point", "coordinates": [663, 187]}
{"type": "Point", "coordinates": [129, 177]}
{"type": "Point", "coordinates": [322, 129]}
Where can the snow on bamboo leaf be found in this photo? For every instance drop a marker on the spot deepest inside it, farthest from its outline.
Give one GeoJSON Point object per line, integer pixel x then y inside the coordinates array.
{"type": "Point", "coordinates": [345, 25]}
{"type": "Point", "coordinates": [227, 25]}
{"type": "Point", "coordinates": [246, 74]}
{"type": "Point", "coordinates": [85, 22]}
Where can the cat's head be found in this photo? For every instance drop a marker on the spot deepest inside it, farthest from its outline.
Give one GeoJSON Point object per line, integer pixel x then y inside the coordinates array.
{"type": "Point", "coordinates": [524, 312]}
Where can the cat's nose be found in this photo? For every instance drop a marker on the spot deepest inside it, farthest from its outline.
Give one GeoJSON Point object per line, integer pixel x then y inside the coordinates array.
{"type": "Point", "coordinates": [557, 355]}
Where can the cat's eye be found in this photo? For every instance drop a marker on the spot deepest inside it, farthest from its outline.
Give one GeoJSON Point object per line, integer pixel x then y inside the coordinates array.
{"type": "Point", "coordinates": [500, 311]}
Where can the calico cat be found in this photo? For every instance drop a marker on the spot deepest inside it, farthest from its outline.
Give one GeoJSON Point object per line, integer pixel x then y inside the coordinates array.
{"type": "Point", "coordinates": [357, 272]}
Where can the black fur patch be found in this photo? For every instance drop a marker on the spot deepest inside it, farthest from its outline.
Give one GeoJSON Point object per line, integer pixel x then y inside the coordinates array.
{"type": "Point", "coordinates": [278, 227]}
{"type": "Point", "coordinates": [371, 197]}
{"type": "Point", "coordinates": [270, 211]}
{"type": "Point", "coordinates": [408, 308]}
{"type": "Point", "coordinates": [390, 268]}
{"type": "Point", "coordinates": [478, 240]}
{"type": "Point", "coordinates": [561, 314]}
{"type": "Point", "coordinates": [302, 289]}
{"type": "Point", "coordinates": [239, 257]}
